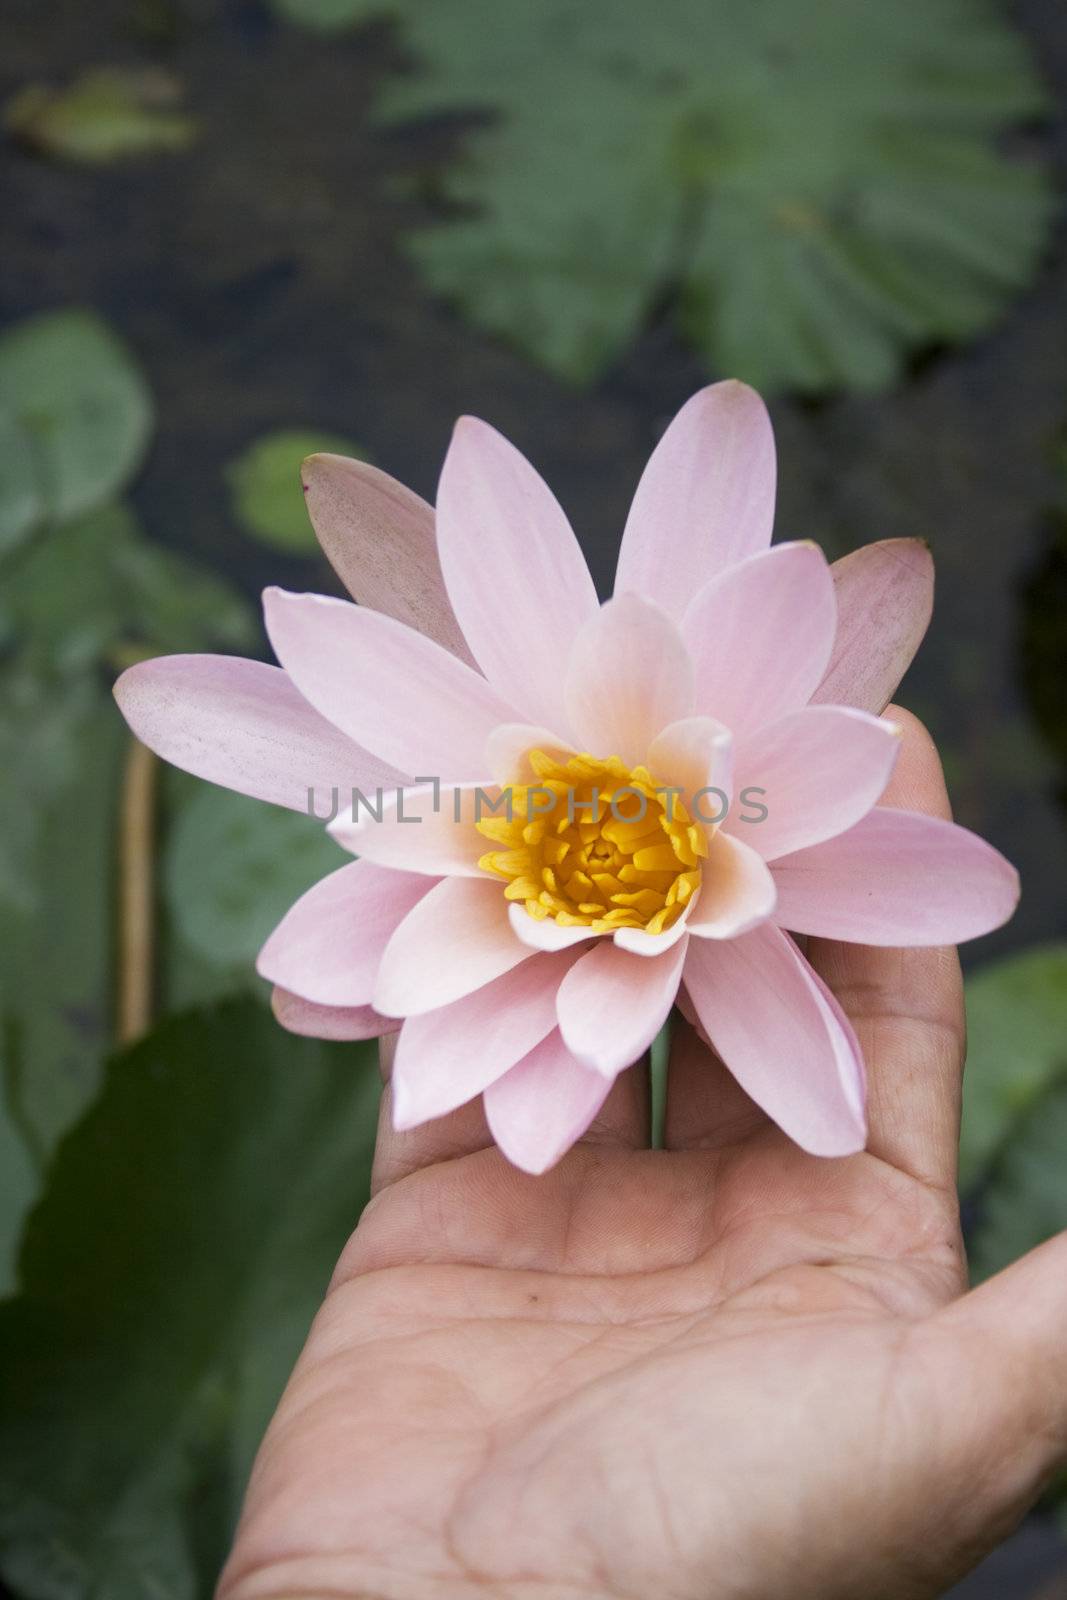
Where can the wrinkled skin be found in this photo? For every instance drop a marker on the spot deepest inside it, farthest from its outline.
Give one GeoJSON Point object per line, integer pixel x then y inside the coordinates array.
{"type": "Point", "coordinates": [725, 1369]}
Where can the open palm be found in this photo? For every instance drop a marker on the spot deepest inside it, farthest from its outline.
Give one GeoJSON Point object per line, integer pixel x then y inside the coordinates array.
{"type": "Point", "coordinates": [721, 1369]}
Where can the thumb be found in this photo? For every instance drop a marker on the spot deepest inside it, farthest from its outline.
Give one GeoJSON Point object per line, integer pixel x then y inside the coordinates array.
{"type": "Point", "coordinates": [1004, 1346]}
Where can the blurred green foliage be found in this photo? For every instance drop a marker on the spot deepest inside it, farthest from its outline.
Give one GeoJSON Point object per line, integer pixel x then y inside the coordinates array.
{"type": "Point", "coordinates": [1026, 1197]}
{"type": "Point", "coordinates": [819, 187]}
{"type": "Point", "coordinates": [95, 591]}
{"type": "Point", "coordinates": [1015, 1105]}
{"type": "Point", "coordinates": [194, 1193]}
{"type": "Point", "coordinates": [232, 869]}
{"type": "Point", "coordinates": [1016, 1052]}
{"type": "Point", "coordinates": [190, 1226]}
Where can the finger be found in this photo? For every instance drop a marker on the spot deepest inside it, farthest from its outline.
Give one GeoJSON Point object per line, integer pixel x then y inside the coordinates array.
{"type": "Point", "coordinates": [706, 1106]}
{"type": "Point", "coordinates": [907, 1005]}
{"type": "Point", "coordinates": [623, 1120]}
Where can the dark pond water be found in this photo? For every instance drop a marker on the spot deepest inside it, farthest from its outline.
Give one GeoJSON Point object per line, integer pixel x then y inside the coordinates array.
{"type": "Point", "coordinates": [259, 278]}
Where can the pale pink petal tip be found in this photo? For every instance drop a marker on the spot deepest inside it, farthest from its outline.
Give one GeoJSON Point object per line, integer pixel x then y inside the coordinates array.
{"type": "Point", "coordinates": [897, 878]}
{"type": "Point", "coordinates": [312, 1021]}
{"type": "Point", "coordinates": [446, 1057]}
{"type": "Point", "coordinates": [379, 538]}
{"type": "Point", "coordinates": [705, 500]}
{"type": "Point", "coordinates": [612, 1004]}
{"type": "Point", "coordinates": [784, 1039]}
{"type": "Point", "coordinates": [737, 893]}
{"type": "Point", "coordinates": [328, 945]}
{"type": "Point", "coordinates": [885, 596]}
{"type": "Point", "coordinates": [455, 940]}
{"type": "Point", "coordinates": [629, 675]}
{"type": "Point", "coordinates": [547, 934]}
{"type": "Point", "coordinates": [515, 574]}
{"type": "Point", "coordinates": [760, 636]}
{"type": "Point", "coordinates": [389, 688]}
{"type": "Point", "coordinates": [543, 1105]}
{"type": "Point", "coordinates": [429, 829]}
{"type": "Point", "coordinates": [818, 771]}
{"type": "Point", "coordinates": [244, 725]}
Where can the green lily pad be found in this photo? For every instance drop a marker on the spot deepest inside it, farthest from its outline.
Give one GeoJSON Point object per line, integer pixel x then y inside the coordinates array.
{"type": "Point", "coordinates": [169, 1276]}
{"type": "Point", "coordinates": [819, 187]}
{"type": "Point", "coordinates": [1016, 1051]}
{"type": "Point", "coordinates": [79, 414]}
{"type": "Point", "coordinates": [105, 115]}
{"type": "Point", "coordinates": [268, 499]}
{"type": "Point", "coordinates": [233, 868]}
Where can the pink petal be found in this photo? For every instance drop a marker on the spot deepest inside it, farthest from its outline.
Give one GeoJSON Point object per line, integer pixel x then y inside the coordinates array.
{"type": "Point", "coordinates": [507, 747]}
{"type": "Point", "coordinates": [705, 501]}
{"type": "Point", "coordinates": [760, 636]}
{"type": "Point", "coordinates": [427, 829]}
{"type": "Point", "coordinates": [696, 755]}
{"type": "Point", "coordinates": [897, 878]}
{"type": "Point", "coordinates": [538, 1109]}
{"type": "Point", "coordinates": [412, 702]}
{"type": "Point", "coordinates": [379, 538]}
{"type": "Point", "coordinates": [788, 1047]}
{"type": "Point", "coordinates": [328, 1022]}
{"type": "Point", "coordinates": [685, 1006]}
{"type": "Point", "coordinates": [612, 1004]}
{"type": "Point", "coordinates": [639, 943]}
{"type": "Point", "coordinates": [243, 724]}
{"type": "Point", "coordinates": [456, 939]}
{"type": "Point", "coordinates": [737, 890]}
{"type": "Point", "coordinates": [885, 594]}
{"type": "Point", "coordinates": [328, 945]}
{"type": "Point", "coordinates": [547, 934]}
{"type": "Point", "coordinates": [513, 569]}
{"type": "Point", "coordinates": [627, 678]}
{"type": "Point", "coordinates": [444, 1058]}
{"type": "Point", "coordinates": [817, 772]}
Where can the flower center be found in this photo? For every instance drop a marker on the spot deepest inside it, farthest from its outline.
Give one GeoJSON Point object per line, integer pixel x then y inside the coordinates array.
{"type": "Point", "coordinates": [596, 844]}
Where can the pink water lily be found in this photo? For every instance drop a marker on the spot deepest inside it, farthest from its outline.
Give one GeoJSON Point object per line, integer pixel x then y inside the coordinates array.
{"type": "Point", "coordinates": [531, 959]}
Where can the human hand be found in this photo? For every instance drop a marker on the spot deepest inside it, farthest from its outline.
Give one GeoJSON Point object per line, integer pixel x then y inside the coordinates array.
{"type": "Point", "coordinates": [724, 1369]}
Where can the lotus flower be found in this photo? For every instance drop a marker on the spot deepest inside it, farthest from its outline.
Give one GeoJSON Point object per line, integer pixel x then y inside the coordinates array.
{"type": "Point", "coordinates": [531, 960]}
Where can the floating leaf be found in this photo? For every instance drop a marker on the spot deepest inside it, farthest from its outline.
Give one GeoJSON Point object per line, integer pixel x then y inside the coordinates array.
{"type": "Point", "coordinates": [96, 590]}
{"type": "Point", "coordinates": [1016, 1051]}
{"type": "Point", "coordinates": [821, 185]}
{"type": "Point", "coordinates": [331, 16]}
{"type": "Point", "coordinates": [1025, 1200]}
{"type": "Point", "coordinates": [233, 868]}
{"type": "Point", "coordinates": [265, 485]}
{"type": "Point", "coordinates": [82, 406]}
{"type": "Point", "coordinates": [169, 1276]}
{"type": "Point", "coordinates": [105, 115]}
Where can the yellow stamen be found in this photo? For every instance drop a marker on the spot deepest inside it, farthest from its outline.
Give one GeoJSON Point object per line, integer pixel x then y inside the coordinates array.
{"type": "Point", "coordinates": [591, 844]}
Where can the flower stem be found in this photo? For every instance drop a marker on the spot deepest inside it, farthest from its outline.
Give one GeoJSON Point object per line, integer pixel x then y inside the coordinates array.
{"type": "Point", "coordinates": [136, 909]}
